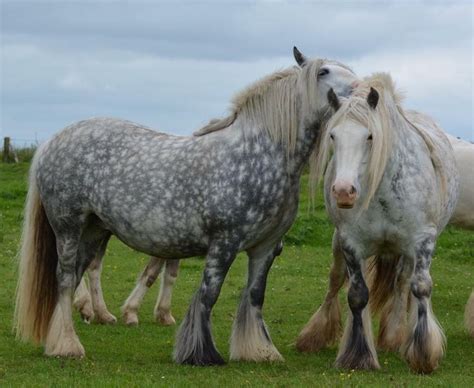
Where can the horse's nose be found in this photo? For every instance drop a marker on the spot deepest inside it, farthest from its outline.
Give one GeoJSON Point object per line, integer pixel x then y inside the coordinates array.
{"type": "Point", "coordinates": [345, 194]}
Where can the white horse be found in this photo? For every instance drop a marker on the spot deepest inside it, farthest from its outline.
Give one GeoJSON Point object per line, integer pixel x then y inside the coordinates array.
{"type": "Point", "coordinates": [91, 304]}
{"type": "Point", "coordinates": [390, 194]}
{"type": "Point", "coordinates": [325, 326]}
{"type": "Point", "coordinates": [464, 213]}
{"type": "Point", "coordinates": [385, 293]}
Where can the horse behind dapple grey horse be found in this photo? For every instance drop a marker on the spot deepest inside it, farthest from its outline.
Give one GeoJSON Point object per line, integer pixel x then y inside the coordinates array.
{"type": "Point", "coordinates": [464, 213]}
{"type": "Point", "coordinates": [91, 304]}
{"type": "Point", "coordinates": [234, 189]}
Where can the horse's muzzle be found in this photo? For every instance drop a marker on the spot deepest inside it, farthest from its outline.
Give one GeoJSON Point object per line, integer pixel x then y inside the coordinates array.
{"type": "Point", "coordinates": [345, 195]}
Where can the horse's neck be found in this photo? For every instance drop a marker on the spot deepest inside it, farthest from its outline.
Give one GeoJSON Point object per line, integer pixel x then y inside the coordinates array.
{"type": "Point", "coordinates": [308, 136]}
{"type": "Point", "coordinates": [406, 143]}
{"type": "Point", "coordinates": [296, 160]}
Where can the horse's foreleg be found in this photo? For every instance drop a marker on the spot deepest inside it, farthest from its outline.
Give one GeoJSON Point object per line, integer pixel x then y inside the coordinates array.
{"type": "Point", "coordinates": [425, 344]}
{"type": "Point", "coordinates": [102, 314]}
{"type": "Point", "coordinates": [62, 339]}
{"type": "Point", "coordinates": [250, 339]}
{"type": "Point", "coordinates": [144, 282]}
{"type": "Point", "coordinates": [163, 304]}
{"type": "Point", "coordinates": [469, 315]}
{"type": "Point", "coordinates": [83, 302]}
{"type": "Point", "coordinates": [357, 350]}
{"type": "Point", "coordinates": [393, 319]}
{"type": "Point", "coordinates": [324, 327]}
{"type": "Point", "coordinates": [194, 342]}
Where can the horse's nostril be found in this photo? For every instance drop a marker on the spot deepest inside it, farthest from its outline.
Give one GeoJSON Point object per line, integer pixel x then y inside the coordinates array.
{"type": "Point", "coordinates": [333, 188]}
{"type": "Point", "coordinates": [352, 191]}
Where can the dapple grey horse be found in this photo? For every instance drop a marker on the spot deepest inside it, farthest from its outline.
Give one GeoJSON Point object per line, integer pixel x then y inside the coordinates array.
{"type": "Point", "coordinates": [235, 188]}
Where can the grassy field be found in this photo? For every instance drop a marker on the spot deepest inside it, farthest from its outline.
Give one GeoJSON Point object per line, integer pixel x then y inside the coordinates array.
{"type": "Point", "coordinates": [141, 356]}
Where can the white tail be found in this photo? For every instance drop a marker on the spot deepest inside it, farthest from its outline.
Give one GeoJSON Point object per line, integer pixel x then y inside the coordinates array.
{"type": "Point", "coordinates": [36, 293]}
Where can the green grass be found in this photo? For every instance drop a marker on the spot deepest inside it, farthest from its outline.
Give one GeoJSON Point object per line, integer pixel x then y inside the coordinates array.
{"type": "Point", "coordinates": [138, 356]}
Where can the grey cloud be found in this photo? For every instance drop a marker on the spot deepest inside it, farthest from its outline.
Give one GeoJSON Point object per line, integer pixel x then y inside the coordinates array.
{"type": "Point", "coordinates": [173, 67]}
{"type": "Point", "coordinates": [236, 31]}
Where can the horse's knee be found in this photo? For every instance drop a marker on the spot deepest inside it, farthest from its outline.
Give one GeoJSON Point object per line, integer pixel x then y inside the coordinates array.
{"type": "Point", "coordinates": [150, 279]}
{"type": "Point", "coordinates": [172, 267]}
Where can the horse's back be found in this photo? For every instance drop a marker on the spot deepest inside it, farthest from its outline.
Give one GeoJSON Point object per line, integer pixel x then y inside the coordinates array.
{"type": "Point", "coordinates": [443, 159]}
{"type": "Point", "coordinates": [432, 128]}
{"type": "Point", "coordinates": [464, 212]}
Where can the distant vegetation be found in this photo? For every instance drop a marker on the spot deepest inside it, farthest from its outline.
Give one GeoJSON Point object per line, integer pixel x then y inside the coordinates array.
{"type": "Point", "coordinates": [20, 154]}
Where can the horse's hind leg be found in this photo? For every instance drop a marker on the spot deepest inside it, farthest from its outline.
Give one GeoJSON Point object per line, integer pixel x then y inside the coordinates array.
{"type": "Point", "coordinates": [393, 319]}
{"type": "Point", "coordinates": [194, 343]}
{"type": "Point", "coordinates": [145, 281]}
{"type": "Point", "coordinates": [425, 344]}
{"type": "Point", "coordinates": [62, 339]}
{"type": "Point", "coordinates": [163, 304]}
{"type": "Point", "coordinates": [102, 314]}
{"type": "Point", "coordinates": [324, 327]}
{"type": "Point", "coordinates": [357, 350]}
{"type": "Point", "coordinates": [250, 339]}
{"type": "Point", "coordinates": [469, 315]}
{"type": "Point", "coordinates": [83, 302]}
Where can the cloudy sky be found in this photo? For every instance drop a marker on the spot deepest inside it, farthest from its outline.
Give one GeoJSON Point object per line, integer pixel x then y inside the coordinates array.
{"type": "Point", "coordinates": [173, 65]}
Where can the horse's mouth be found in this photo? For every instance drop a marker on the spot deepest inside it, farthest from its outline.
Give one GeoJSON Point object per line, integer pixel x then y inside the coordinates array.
{"type": "Point", "coordinates": [345, 206]}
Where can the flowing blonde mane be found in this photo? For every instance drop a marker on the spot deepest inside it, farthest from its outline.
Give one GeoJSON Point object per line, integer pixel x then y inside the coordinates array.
{"type": "Point", "coordinates": [270, 104]}
{"type": "Point", "coordinates": [387, 117]}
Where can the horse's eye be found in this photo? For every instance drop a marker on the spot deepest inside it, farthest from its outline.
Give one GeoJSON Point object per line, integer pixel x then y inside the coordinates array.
{"type": "Point", "coordinates": [370, 137]}
{"type": "Point", "coordinates": [323, 72]}
{"type": "Point", "coordinates": [331, 136]}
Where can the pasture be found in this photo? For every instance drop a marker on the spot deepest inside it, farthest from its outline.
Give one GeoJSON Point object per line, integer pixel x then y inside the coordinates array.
{"type": "Point", "coordinates": [140, 356]}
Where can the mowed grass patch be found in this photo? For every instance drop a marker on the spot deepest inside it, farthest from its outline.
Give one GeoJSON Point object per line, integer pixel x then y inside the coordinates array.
{"type": "Point", "coordinates": [141, 356]}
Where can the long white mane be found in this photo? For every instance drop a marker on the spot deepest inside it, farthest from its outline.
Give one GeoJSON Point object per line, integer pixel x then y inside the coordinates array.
{"type": "Point", "coordinates": [387, 117]}
{"type": "Point", "coordinates": [271, 104]}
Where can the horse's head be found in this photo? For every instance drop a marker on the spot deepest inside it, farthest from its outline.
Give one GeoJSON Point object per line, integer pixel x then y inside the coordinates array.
{"type": "Point", "coordinates": [352, 142]}
{"type": "Point", "coordinates": [317, 77]}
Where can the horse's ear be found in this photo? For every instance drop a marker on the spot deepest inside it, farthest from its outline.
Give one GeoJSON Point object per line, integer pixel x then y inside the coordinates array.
{"type": "Point", "coordinates": [300, 58]}
{"type": "Point", "coordinates": [333, 100]}
{"type": "Point", "coordinates": [373, 98]}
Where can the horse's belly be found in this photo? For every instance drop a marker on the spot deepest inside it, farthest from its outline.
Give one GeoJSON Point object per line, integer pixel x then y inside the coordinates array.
{"type": "Point", "coordinates": [179, 239]}
{"type": "Point", "coordinates": [163, 247]}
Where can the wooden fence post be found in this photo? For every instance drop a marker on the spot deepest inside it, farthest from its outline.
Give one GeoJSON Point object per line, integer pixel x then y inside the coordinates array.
{"type": "Point", "coordinates": [8, 154]}
{"type": "Point", "coordinates": [6, 150]}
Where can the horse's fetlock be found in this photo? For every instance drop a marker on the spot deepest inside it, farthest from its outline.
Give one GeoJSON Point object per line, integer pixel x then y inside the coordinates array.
{"type": "Point", "coordinates": [422, 286]}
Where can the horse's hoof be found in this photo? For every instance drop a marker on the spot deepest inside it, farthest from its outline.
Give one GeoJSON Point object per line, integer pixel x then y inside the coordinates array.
{"type": "Point", "coordinates": [165, 318]}
{"type": "Point", "coordinates": [86, 320]}
{"type": "Point", "coordinates": [422, 363]}
{"type": "Point", "coordinates": [130, 319]}
{"type": "Point", "coordinates": [352, 361]}
{"type": "Point", "coordinates": [85, 310]}
{"type": "Point", "coordinates": [67, 348]}
{"type": "Point", "coordinates": [268, 354]}
{"type": "Point", "coordinates": [322, 330]}
{"type": "Point", "coordinates": [106, 318]}
{"type": "Point", "coordinates": [214, 361]}
{"type": "Point", "coordinates": [207, 356]}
